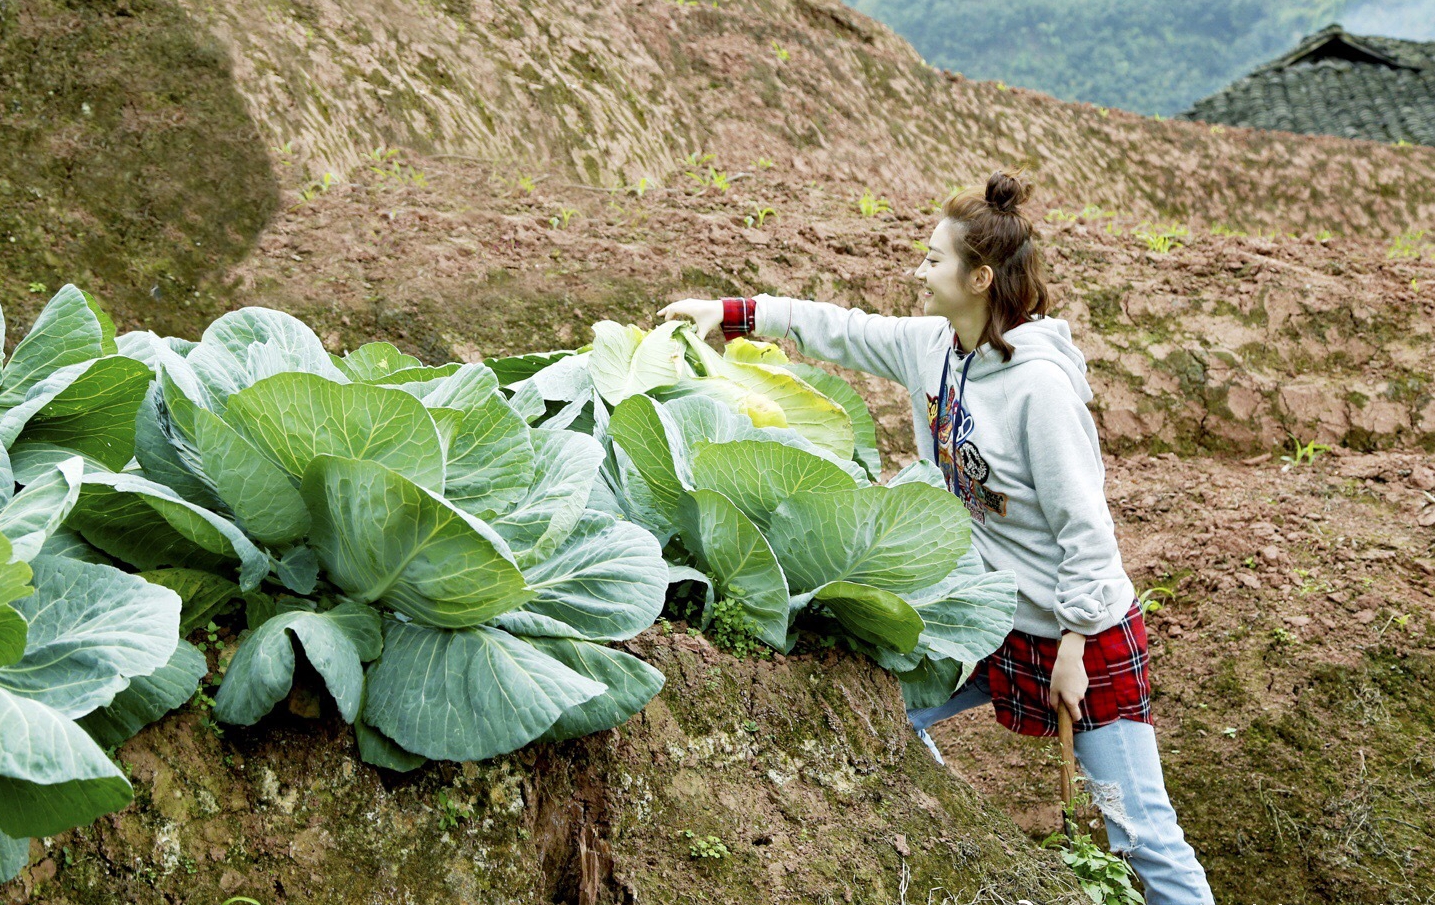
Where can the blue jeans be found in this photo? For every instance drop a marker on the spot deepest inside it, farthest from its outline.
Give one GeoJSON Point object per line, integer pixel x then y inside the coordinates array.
{"type": "Point", "coordinates": [1124, 778]}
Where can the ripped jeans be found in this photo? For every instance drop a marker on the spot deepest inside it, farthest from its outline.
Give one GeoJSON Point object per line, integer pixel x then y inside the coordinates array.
{"type": "Point", "coordinates": [1124, 778]}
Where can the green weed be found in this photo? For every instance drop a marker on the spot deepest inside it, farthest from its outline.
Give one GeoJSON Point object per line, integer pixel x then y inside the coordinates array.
{"type": "Point", "coordinates": [1304, 454]}
{"type": "Point", "coordinates": [38, 288]}
{"type": "Point", "coordinates": [565, 214]}
{"type": "Point", "coordinates": [1160, 238]}
{"type": "Point", "coordinates": [759, 215]}
{"type": "Point", "coordinates": [1408, 245]}
{"type": "Point", "coordinates": [211, 638]}
{"type": "Point", "coordinates": [781, 51]}
{"type": "Point", "coordinates": [871, 206]}
{"type": "Point", "coordinates": [1148, 601]}
{"type": "Point", "coordinates": [764, 163]}
{"type": "Point", "coordinates": [704, 847]}
{"type": "Point", "coordinates": [1104, 877]}
{"type": "Point", "coordinates": [450, 812]}
{"type": "Point", "coordinates": [318, 187]}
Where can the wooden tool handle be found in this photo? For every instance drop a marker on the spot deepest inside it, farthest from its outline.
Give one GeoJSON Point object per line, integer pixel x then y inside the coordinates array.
{"type": "Point", "coordinates": [1068, 763]}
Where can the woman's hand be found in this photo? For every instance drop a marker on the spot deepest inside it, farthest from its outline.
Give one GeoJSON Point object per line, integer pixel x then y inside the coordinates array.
{"type": "Point", "coordinates": [704, 313]}
{"type": "Point", "coordinates": [1068, 675]}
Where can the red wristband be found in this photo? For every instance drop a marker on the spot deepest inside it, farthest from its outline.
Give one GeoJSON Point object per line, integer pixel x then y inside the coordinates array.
{"type": "Point", "coordinates": [738, 317]}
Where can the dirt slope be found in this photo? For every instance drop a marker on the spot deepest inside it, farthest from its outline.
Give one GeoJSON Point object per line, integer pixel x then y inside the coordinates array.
{"type": "Point", "coordinates": [787, 782]}
{"type": "Point", "coordinates": [1293, 673]}
{"type": "Point", "coordinates": [179, 116]}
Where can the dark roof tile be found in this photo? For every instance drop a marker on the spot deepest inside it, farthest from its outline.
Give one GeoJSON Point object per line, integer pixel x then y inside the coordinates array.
{"type": "Point", "coordinates": [1335, 83]}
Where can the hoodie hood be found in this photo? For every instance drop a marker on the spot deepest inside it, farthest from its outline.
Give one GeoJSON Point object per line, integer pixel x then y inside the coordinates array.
{"type": "Point", "coordinates": [1042, 339]}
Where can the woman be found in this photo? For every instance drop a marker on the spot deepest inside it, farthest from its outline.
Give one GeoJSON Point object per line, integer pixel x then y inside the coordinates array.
{"type": "Point", "coordinates": [999, 397]}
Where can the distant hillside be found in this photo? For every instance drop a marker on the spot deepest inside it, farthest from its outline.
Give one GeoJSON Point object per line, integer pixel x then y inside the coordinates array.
{"type": "Point", "coordinates": [1144, 57]}
{"type": "Point", "coordinates": [147, 141]}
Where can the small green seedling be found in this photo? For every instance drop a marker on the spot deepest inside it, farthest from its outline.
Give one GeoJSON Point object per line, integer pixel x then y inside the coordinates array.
{"type": "Point", "coordinates": [318, 187]}
{"type": "Point", "coordinates": [565, 214]}
{"type": "Point", "coordinates": [704, 847]}
{"type": "Point", "coordinates": [1160, 238]}
{"type": "Point", "coordinates": [450, 812]}
{"type": "Point", "coordinates": [781, 52]}
{"type": "Point", "coordinates": [1408, 245]}
{"type": "Point", "coordinates": [871, 206]}
{"type": "Point", "coordinates": [38, 288]}
{"type": "Point", "coordinates": [211, 634]}
{"type": "Point", "coordinates": [759, 215]}
{"type": "Point", "coordinates": [764, 163]}
{"type": "Point", "coordinates": [1304, 454]}
{"type": "Point", "coordinates": [1106, 878]}
{"type": "Point", "coordinates": [1148, 602]}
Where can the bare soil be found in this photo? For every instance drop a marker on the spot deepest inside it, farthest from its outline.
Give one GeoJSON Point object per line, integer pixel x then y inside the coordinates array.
{"type": "Point", "coordinates": [1293, 676]}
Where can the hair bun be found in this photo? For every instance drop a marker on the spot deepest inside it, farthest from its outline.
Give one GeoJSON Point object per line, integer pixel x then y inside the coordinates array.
{"type": "Point", "coordinates": [1005, 192]}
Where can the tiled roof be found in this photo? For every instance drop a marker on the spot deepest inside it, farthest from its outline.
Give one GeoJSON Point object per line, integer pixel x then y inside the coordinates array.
{"type": "Point", "coordinates": [1335, 83]}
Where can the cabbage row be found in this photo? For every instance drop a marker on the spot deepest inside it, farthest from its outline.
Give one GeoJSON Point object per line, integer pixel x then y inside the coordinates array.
{"type": "Point", "coordinates": [451, 548]}
{"type": "Point", "coordinates": [756, 474]}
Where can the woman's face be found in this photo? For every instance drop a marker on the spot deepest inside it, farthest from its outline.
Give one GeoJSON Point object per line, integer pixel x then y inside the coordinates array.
{"type": "Point", "coordinates": [949, 291]}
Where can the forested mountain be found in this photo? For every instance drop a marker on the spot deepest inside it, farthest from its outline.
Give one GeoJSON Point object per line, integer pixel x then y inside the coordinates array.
{"type": "Point", "coordinates": [1143, 57]}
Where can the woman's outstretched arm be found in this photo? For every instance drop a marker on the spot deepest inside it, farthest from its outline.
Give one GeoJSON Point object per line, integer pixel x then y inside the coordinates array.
{"type": "Point", "coordinates": [887, 346]}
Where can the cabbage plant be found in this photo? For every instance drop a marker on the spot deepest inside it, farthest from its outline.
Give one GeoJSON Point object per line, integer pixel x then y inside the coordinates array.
{"type": "Point", "coordinates": [88, 655]}
{"type": "Point", "coordinates": [432, 554]}
{"type": "Point", "coordinates": [756, 474]}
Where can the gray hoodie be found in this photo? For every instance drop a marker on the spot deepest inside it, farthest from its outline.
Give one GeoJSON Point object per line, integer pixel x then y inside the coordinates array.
{"type": "Point", "coordinates": [1040, 508]}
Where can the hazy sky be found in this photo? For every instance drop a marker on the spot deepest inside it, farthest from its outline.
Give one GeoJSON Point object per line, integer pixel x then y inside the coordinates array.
{"type": "Point", "coordinates": [1413, 20]}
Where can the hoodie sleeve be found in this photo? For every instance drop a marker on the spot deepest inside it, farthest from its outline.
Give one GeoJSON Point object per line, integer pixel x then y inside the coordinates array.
{"type": "Point", "coordinates": [879, 344]}
{"type": "Point", "coordinates": [1093, 591]}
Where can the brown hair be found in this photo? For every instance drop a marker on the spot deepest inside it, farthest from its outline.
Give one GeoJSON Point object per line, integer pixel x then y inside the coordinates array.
{"type": "Point", "coordinates": [1000, 236]}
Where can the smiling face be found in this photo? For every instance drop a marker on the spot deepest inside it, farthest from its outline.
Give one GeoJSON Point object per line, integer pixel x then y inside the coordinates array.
{"type": "Point", "coordinates": [949, 290]}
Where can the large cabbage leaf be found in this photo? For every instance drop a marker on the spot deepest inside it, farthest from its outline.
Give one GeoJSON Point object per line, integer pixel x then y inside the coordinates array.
{"type": "Point", "coordinates": [606, 582]}
{"type": "Point", "coordinates": [292, 418]}
{"type": "Point", "coordinates": [71, 329]}
{"type": "Point", "coordinates": [147, 698]}
{"type": "Point", "coordinates": [626, 361]}
{"type": "Point", "coordinates": [35, 513]}
{"type": "Point", "coordinates": [871, 614]}
{"type": "Point", "coordinates": [469, 694]}
{"type": "Point", "coordinates": [967, 614]}
{"type": "Point", "coordinates": [259, 493]}
{"type": "Point", "coordinates": [631, 685]}
{"type": "Point", "coordinates": [148, 525]}
{"type": "Point", "coordinates": [900, 539]}
{"type": "Point", "coordinates": [864, 429]}
{"type": "Point", "coordinates": [337, 642]}
{"type": "Point", "coordinates": [91, 630]}
{"type": "Point", "coordinates": [243, 347]}
{"type": "Point", "coordinates": [565, 470]}
{"type": "Point", "coordinates": [383, 537]}
{"type": "Point", "coordinates": [759, 476]}
{"type": "Point", "coordinates": [489, 453]}
{"type": "Point", "coordinates": [730, 548]}
{"type": "Point", "coordinates": [807, 411]}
